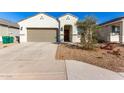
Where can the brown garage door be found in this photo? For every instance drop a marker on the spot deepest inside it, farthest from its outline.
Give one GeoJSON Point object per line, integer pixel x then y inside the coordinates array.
{"type": "Point", "coordinates": [41, 35]}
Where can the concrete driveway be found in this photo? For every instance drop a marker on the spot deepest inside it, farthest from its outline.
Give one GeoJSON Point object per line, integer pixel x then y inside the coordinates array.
{"type": "Point", "coordinates": [31, 61]}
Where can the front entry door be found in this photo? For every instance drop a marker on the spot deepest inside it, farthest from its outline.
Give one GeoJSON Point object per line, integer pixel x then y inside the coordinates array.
{"type": "Point", "coordinates": [66, 35]}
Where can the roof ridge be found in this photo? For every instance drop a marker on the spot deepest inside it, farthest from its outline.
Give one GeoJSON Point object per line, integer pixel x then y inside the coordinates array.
{"type": "Point", "coordinates": [112, 20]}
{"type": "Point", "coordinates": [68, 14]}
{"type": "Point", "coordinates": [8, 23]}
{"type": "Point", "coordinates": [8, 20]}
{"type": "Point", "coordinates": [38, 14]}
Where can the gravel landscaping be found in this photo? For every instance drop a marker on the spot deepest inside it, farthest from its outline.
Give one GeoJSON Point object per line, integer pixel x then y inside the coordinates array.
{"type": "Point", "coordinates": [98, 57]}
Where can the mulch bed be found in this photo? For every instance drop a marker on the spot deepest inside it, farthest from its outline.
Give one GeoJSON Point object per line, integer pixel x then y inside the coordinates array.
{"type": "Point", "coordinates": [98, 57]}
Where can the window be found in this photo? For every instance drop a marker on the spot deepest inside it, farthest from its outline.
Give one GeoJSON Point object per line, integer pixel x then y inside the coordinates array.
{"type": "Point", "coordinates": [116, 29]}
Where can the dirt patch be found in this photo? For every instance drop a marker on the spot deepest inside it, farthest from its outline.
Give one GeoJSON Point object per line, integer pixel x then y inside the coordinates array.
{"type": "Point", "coordinates": [6, 45]}
{"type": "Point", "coordinates": [98, 57]}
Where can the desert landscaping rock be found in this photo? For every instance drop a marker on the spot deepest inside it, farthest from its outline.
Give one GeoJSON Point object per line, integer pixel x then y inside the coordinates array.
{"type": "Point", "coordinates": [98, 57]}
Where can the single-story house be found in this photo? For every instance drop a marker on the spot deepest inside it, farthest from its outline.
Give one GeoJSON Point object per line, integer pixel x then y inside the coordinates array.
{"type": "Point", "coordinates": [44, 28]}
{"type": "Point", "coordinates": [8, 28]}
{"type": "Point", "coordinates": [112, 31]}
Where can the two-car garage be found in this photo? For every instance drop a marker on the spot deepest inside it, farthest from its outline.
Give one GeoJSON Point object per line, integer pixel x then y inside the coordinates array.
{"type": "Point", "coordinates": [41, 35]}
{"type": "Point", "coordinates": [39, 28]}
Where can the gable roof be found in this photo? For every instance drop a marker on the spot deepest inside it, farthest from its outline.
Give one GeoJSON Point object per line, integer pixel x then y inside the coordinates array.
{"type": "Point", "coordinates": [113, 20]}
{"type": "Point", "coordinates": [36, 15]}
{"type": "Point", "coordinates": [68, 14]}
{"type": "Point", "coordinates": [5, 22]}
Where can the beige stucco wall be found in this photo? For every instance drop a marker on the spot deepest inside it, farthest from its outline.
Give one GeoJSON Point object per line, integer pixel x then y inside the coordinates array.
{"type": "Point", "coordinates": [38, 21]}
{"type": "Point", "coordinates": [69, 20]}
{"type": "Point", "coordinates": [4, 30]}
{"type": "Point", "coordinates": [114, 38]}
{"type": "Point", "coordinates": [7, 31]}
{"type": "Point", "coordinates": [13, 32]}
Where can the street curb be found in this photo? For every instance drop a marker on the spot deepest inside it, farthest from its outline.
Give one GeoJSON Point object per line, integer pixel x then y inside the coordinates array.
{"type": "Point", "coordinates": [66, 70]}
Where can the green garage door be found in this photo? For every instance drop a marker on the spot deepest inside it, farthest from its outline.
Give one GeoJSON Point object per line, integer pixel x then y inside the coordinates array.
{"type": "Point", "coordinates": [41, 35]}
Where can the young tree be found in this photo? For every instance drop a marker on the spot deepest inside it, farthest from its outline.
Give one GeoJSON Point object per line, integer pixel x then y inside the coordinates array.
{"type": "Point", "coordinates": [88, 35]}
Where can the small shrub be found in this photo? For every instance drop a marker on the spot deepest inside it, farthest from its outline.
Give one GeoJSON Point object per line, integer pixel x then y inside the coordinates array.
{"type": "Point", "coordinates": [88, 32]}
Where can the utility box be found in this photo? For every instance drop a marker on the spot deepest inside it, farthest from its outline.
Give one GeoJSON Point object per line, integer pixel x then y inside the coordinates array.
{"type": "Point", "coordinates": [7, 39]}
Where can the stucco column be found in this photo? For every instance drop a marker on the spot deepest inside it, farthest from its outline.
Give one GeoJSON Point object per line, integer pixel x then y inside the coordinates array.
{"type": "Point", "coordinates": [62, 34]}
{"type": "Point", "coordinates": [74, 34]}
{"type": "Point", "coordinates": [121, 37]}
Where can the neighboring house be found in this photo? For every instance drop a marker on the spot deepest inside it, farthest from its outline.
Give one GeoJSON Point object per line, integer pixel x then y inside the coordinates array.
{"type": "Point", "coordinates": [8, 28]}
{"type": "Point", "coordinates": [112, 31]}
{"type": "Point", "coordinates": [45, 28]}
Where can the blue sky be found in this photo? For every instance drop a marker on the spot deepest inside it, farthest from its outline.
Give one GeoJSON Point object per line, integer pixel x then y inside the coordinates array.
{"type": "Point", "coordinates": [101, 16]}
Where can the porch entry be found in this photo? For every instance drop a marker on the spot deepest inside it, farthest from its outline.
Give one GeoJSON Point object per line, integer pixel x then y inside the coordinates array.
{"type": "Point", "coordinates": [67, 33]}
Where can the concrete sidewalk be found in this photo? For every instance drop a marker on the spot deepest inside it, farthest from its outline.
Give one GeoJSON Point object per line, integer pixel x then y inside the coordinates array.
{"type": "Point", "coordinates": [77, 70]}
